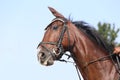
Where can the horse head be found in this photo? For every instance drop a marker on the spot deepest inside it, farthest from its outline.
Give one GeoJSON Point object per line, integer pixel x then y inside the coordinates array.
{"type": "Point", "coordinates": [56, 40]}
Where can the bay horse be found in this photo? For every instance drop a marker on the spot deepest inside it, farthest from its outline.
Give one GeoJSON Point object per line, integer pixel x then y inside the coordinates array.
{"type": "Point", "coordinates": [92, 55]}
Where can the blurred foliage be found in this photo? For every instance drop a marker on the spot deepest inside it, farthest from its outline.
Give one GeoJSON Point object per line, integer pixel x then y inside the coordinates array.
{"type": "Point", "coordinates": [109, 32]}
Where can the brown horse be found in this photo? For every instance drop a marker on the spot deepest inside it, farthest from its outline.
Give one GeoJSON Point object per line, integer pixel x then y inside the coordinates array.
{"type": "Point", "coordinates": [90, 52]}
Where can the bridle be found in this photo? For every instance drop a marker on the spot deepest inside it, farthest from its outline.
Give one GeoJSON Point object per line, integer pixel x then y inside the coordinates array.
{"type": "Point", "coordinates": [58, 44]}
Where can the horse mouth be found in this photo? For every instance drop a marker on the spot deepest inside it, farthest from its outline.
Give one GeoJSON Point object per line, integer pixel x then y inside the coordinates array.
{"type": "Point", "coordinates": [46, 61]}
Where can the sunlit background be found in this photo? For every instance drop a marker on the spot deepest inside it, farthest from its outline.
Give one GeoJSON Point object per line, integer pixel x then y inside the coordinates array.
{"type": "Point", "coordinates": [22, 24]}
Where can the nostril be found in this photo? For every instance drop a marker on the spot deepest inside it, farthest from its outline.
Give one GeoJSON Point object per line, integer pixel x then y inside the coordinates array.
{"type": "Point", "coordinates": [42, 55]}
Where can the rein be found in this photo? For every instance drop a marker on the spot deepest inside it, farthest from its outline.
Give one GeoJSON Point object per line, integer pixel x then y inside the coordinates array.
{"type": "Point", "coordinates": [106, 58]}
{"type": "Point", "coordinates": [99, 59]}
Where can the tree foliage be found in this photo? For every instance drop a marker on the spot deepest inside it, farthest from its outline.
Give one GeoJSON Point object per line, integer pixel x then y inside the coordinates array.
{"type": "Point", "coordinates": [109, 32]}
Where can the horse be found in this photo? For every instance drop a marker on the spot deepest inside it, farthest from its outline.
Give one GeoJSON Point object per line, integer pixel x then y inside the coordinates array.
{"type": "Point", "coordinates": [91, 53]}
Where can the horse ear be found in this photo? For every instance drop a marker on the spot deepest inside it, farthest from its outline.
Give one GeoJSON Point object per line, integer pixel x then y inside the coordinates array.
{"type": "Point", "coordinates": [56, 13]}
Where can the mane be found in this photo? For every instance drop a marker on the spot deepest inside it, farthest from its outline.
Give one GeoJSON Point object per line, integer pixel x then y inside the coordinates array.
{"type": "Point", "coordinates": [94, 35]}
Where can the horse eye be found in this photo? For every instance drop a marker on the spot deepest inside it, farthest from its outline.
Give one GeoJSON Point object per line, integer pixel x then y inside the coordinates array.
{"type": "Point", "coordinates": [55, 27]}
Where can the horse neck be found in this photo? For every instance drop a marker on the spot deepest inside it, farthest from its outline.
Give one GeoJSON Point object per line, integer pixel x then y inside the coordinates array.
{"type": "Point", "coordinates": [84, 51]}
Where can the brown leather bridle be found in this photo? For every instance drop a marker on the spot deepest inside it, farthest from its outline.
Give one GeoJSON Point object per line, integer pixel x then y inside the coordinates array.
{"type": "Point", "coordinates": [57, 56]}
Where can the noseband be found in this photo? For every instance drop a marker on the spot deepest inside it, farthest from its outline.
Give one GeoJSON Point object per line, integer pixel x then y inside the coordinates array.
{"type": "Point", "coordinates": [58, 44]}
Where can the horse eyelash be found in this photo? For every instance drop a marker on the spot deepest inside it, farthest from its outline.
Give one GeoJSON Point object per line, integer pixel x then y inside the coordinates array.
{"type": "Point", "coordinates": [55, 27]}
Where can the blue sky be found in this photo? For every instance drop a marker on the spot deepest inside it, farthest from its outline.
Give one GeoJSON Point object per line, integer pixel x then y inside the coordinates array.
{"type": "Point", "coordinates": [22, 24]}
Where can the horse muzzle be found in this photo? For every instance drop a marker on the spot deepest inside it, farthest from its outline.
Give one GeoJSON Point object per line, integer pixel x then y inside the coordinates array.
{"type": "Point", "coordinates": [45, 58]}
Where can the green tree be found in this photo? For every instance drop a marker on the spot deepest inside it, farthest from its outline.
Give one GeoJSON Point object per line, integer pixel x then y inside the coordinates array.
{"type": "Point", "coordinates": [109, 32]}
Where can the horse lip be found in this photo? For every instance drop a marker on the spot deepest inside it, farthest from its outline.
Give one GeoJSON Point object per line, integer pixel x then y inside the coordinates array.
{"type": "Point", "coordinates": [46, 61]}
